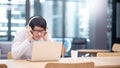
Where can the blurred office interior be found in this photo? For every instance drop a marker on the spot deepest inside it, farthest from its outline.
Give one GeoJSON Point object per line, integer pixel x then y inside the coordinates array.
{"type": "Point", "coordinates": [89, 24]}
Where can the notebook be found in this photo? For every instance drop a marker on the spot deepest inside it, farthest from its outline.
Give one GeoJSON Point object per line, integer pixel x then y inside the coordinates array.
{"type": "Point", "coordinates": [46, 51]}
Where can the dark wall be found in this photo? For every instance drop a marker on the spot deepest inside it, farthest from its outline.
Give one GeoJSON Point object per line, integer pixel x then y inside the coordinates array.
{"type": "Point", "coordinates": [116, 22]}
{"type": "Point", "coordinates": [98, 25]}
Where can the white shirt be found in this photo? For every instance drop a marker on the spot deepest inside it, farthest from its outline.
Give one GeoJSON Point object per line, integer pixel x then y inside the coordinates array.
{"type": "Point", "coordinates": [21, 47]}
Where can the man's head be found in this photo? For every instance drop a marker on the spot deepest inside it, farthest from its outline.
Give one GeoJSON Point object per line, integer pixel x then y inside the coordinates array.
{"type": "Point", "coordinates": [38, 26]}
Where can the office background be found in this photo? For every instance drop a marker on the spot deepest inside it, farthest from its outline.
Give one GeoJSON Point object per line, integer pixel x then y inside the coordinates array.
{"type": "Point", "coordinates": [95, 21]}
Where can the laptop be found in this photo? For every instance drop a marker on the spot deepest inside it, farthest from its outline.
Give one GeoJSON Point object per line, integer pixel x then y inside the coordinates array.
{"type": "Point", "coordinates": [46, 51]}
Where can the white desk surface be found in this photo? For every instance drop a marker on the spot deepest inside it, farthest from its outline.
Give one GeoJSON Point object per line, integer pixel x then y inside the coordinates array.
{"type": "Point", "coordinates": [100, 62]}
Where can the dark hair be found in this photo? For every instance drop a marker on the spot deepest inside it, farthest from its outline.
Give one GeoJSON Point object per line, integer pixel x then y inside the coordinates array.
{"type": "Point", "coordinates": [37, 21]}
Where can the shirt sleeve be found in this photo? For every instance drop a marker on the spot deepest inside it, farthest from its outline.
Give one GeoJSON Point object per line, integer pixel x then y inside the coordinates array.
{"type": "Point", "coordinates": [20, 44]}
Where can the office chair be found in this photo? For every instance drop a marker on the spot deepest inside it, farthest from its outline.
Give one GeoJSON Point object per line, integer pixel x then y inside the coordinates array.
{"type": "Point", "coordinates": [116, 47]}
{"type": "Point", "coordinates": [3, 66]}
{"type": "Point", "coordinates": [63, 51]}
{"type": "Point", "coordinates": [79, 43]}
{"type": "Point", "coordinates": [70, 65]}
{"type": "Point", "coordinates": [9, 55]}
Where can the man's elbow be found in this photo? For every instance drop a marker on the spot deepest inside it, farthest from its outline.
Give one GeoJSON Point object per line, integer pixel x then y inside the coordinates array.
{"type": "Point", "coordinates": [15, 55]}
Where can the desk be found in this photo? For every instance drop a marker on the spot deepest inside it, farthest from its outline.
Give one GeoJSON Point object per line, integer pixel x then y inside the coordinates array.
{"type": "Point", "coordinates": [91, 51]}
{"type": "Point", "coordinates": [100, 62]}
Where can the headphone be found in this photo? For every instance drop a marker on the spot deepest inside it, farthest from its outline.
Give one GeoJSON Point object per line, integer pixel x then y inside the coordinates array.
{"type": "Point", "coordinates": [31, 18]}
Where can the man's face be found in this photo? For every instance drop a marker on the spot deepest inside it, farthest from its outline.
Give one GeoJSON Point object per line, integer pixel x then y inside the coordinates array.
{"type": "Point", "coordinates": [38, 32]}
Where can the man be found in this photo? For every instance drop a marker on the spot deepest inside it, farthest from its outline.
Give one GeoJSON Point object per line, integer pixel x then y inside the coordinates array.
{"type": "Point", "coordinates": [36, 30]}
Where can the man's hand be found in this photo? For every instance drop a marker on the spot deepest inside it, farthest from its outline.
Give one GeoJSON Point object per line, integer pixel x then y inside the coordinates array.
{"type": "Point", "coordinates": [30, 35]}
{"type": "Point", "coordinates": [46, 36]}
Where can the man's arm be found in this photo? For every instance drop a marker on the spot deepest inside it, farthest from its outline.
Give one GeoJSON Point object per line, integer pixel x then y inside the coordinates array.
{"type": "Point", "coordinates": [20, 44]}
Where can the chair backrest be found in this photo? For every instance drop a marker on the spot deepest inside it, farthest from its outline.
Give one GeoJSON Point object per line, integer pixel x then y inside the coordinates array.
{"type": "Point", "coordinates": [70, 65]}
{"type": "Point", "coordinates": [116, 47]}
{"type": "Point", "coordinates": [9, 55]}
{"type": "Point", "coordinates": [63, 51]}
{"type": "Point", "coordinates": [108, 54]}
{"type": "Point", "coordinates": [3, 66]}
{"type": "Point", "coordinates": [78, 43]}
